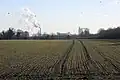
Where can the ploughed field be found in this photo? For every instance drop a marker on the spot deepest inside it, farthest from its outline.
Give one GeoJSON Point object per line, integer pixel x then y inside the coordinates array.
{"type": "Point", "coordinates": [60, 60]}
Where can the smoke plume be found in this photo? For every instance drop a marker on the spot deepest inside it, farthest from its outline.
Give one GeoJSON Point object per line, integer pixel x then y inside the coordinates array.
{"type": "Point", "coordinates": [29, 19]}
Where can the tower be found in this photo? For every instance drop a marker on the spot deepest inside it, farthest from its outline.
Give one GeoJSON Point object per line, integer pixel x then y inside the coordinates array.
{"type": "Point", "coordinates": [80, 30]}
{"type": "Point", "coordinates": [39, 32]}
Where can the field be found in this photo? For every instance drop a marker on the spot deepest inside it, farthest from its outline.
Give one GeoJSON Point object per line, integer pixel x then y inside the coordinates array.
{"type": "Point", "coordinates": [60, 60]}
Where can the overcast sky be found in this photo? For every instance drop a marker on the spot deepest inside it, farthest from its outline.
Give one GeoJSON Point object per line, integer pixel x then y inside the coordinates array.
{"type": "Point", "coordinates": [62, 15]}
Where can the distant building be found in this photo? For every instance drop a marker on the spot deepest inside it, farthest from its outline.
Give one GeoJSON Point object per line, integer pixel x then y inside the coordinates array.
{"type": "Point", "coordinates": [83, 31]}
{"type": "Point", "coordinates": [63, 34]}
{"type": "Point", "coordinates": [39, 32]}
{"type": "Point", "coordinates": [80, 31]}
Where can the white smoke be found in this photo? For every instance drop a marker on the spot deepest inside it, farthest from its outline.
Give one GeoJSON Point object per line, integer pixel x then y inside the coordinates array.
{"type": "Point", "coordinates": [29, 19]}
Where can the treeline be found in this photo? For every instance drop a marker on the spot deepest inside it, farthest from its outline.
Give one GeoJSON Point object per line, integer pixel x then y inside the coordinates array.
{"type": "Point", "coordinates": [110, 33]}
{"type": "Point", "coordinates": [11, 33]}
